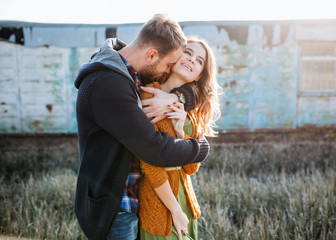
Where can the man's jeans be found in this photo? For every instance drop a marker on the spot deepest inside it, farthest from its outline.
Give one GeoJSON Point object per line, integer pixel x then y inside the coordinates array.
{"type": "Point", "coordinates": [125, 227]}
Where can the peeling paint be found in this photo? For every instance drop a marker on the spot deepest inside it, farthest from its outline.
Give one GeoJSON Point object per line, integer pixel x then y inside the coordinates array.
{"type": "Point", "coordinates": [236, 34]}
{"type": "Point", "coordinates": [49, 107]}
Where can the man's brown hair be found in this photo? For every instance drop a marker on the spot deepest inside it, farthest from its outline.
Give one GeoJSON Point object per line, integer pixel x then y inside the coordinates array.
{"type": "Point", "coordinates": [163, 33]}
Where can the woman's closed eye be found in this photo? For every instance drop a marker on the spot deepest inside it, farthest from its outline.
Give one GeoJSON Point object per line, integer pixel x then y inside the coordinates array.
{"type": "Point", "coordinates": [188, 52]}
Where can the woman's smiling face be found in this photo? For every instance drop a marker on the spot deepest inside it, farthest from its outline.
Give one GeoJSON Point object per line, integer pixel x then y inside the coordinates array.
{"type": "Point", "coordinates": [191, 63]}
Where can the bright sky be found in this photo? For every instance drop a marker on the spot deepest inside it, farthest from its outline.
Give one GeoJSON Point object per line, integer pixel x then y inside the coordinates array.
{"type": "Point", "coordinates": [132, 11]}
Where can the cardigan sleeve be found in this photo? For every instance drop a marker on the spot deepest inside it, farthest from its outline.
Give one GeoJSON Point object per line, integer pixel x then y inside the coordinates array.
{"type": "Point", "coordinates": [191, 168]}
{"type": "Point", "coordinates": [156, 175]}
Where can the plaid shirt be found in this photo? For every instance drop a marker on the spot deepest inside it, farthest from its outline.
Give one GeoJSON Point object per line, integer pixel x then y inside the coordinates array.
{"type": "Point", "coordinates": [130, 201]}
{"type": "Point", "coordinates": [134, 73]}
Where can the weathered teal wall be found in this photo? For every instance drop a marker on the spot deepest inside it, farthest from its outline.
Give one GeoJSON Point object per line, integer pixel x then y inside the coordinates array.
{"type": "Point", "coordinates": [37, 94]}
{"type": "Point", "coordinates": [258, 68]}
{"type": "Point", "coordinates": [261, 88]}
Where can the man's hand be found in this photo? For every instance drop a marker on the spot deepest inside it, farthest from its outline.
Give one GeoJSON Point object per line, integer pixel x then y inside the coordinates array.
{"type": "Point", "coordinates": [155, 107]}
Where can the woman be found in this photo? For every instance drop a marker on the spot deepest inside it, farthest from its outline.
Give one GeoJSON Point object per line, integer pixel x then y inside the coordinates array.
{"type": "Point", "coordinates": [166, 195]}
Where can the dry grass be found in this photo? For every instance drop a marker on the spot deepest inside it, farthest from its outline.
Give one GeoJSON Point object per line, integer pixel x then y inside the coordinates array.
{"type": "Point", "coordinates": [269, 191]}
{"type": "Point", "coordinates": [265, 191]}
{"type": "Point", "coordinates": [6, 237]}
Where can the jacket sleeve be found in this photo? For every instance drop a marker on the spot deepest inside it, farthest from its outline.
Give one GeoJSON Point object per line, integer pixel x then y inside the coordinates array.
{"type": "Point", "coordinates": [189, 96]}
{"type": "Point", "coordinates": [115, 108]}
{"type": "Point", "coordinates": [192, 168]}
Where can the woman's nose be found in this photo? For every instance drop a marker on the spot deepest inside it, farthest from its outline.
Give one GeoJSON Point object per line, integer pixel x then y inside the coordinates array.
{"type": "Point", "coordinates": [191, 59]}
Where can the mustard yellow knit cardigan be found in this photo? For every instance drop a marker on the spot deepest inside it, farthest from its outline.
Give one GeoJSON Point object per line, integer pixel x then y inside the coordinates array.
{"type": "Point", "coordinates": [154, 217]}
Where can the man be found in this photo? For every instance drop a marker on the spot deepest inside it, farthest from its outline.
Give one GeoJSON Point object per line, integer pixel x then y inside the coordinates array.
{"type": "Point", "coordinates": [112, 128]}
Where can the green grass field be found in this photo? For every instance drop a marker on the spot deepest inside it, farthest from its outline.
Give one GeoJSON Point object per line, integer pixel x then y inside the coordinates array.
{"type": "Point", "coordinates": [261, 191]}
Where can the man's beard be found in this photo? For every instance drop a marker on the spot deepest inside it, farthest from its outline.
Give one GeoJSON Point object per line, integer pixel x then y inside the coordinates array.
{"type": "Point", "coordinates": [149, 73]}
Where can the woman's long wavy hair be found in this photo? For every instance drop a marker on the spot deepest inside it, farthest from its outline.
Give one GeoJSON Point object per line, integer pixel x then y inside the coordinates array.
{"type": "Point", "coordinates": [207, 91]}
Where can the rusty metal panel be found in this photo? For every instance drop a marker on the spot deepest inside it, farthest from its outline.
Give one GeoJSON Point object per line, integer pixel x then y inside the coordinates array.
{"type": "Point", "coordinates": [273, 104]}
{"type": "Point", "coordinates": [234, 77]}
{"type": "Point", "coordinates": [37, 93]}
{"type": "Point", "coordinates": [316, 111]}
{"type": "Point", "coordinates": [9, 89]}
{"type": "Point", "coordinates": [43, 72]}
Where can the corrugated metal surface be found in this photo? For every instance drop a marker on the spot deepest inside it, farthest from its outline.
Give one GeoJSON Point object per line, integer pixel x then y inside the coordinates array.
{"type": "Point", "coordinates": [258, 66]}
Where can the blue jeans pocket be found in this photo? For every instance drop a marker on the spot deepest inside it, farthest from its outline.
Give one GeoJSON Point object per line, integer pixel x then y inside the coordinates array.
{"type": "Point", "coordinates": [125, 227]}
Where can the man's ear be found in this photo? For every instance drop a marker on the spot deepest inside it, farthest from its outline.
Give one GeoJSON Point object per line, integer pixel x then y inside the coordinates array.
{"type": "Point", "coordinates": [152, 55]}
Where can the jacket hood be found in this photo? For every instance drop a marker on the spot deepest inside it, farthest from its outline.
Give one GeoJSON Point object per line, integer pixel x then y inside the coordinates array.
{"type": "Point", "coordinates": [106, 58]}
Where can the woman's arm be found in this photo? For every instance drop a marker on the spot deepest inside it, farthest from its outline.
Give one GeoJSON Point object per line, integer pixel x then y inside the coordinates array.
{"type": "Point", "coordinates": [158, 179]}
{"type": "Point", "coordinates": [180, 220]}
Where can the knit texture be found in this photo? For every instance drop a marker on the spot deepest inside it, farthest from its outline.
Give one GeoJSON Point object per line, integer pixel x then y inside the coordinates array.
{"type": "Point", "coordinates": [154, 217]}
{"type": "Point", "coordinates": [189, 96]}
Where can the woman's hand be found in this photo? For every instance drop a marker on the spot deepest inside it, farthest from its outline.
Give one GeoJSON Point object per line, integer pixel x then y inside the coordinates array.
{"type": "Point", "coordinates": [168, 198]}
{"type": "Point", "coordinates": [180, 222]}
{"type": "Point", "coordinates": [178, 117]}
